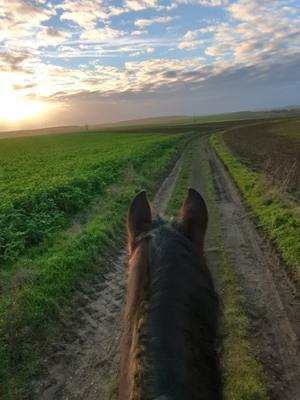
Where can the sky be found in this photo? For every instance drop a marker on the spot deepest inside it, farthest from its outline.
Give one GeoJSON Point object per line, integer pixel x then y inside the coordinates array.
{"type": "Point", "coordinates": [76, 62]}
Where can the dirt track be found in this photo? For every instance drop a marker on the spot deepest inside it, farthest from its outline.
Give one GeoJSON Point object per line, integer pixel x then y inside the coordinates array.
{"type": "Point", "coordinates": [84, 363]}
{"type": "Point", "coordinates": [272, 305]}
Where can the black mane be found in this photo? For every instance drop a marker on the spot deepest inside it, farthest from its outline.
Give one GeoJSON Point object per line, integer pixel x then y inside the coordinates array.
{"type": "Point", "coordinates": [181, 317]}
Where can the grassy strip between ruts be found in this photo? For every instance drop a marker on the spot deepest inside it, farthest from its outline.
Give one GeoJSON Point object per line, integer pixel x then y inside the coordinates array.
{"type": "Point", "coordinates": [278, 216]}
{"type": "Point", "coordinates": [180, 190]}
{"type": "Point", "coordinates": [34, 302]}
{"type": "Point", "coordinates": [241, 371]}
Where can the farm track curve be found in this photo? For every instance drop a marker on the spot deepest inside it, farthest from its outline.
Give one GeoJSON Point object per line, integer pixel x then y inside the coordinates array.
{"type": "Point", "coordinates": [84, 360]}
{"type": "Point", "coordinates": [272, 303]}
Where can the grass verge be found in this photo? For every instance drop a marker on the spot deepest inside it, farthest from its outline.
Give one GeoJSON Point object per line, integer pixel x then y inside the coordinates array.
{"type": "Point", "coordinates": [241, 371]}
{"type": "Point", "coordinates": [278, 216]}
{"type": "Point", "coordinates": [37, 287]}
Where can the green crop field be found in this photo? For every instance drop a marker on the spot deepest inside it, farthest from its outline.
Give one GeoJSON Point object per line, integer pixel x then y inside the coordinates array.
{"type": "Point", "coordinates": [63, 201]}
{"type": "Point", "coordinates": [45, 180]}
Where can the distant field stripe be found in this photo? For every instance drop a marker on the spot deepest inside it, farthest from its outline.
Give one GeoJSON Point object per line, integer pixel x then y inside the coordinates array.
{"type": "Point", "coordinates": [278, 216]}
{"type": "Point", "coordinates": [290, 129]}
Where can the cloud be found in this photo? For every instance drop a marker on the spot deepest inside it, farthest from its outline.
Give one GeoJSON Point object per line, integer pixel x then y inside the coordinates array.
{"type": "Point", "coordinates": [261, 29]}
{"type": "Point", "coordinates": [85, 13]}
{"type": "Point", "coordinates": [143, 23]}
{"type": "Point", "coordinates": [56, 82]}
{"type": "Point", "coordinates": [190, 41]}
{"type": "Point", "coordinates": [12, 61]}
{"type": "Point", "coordinates": [256, 32]}
{"type": "Point", "coordinates": [138, 33]}
{"type": "Point", "coordinates": [207, 3]}
{"type": "Point", "coordinates": [102, 34]}
{"type": "Point", "coordinates": [147, 50]}
{"type": "Point", "coordinates": [25, 86]}
{"type": "Point", "coordinates": [138, 5]}
{"type": "Point", "coordinates": [52, 37]}
{"type": "Point", "coordinates": [21, 18]}
{"type": "Point", "coordinates": [115, 10]}
{"type": "Point", "coordinates": [170, 76]}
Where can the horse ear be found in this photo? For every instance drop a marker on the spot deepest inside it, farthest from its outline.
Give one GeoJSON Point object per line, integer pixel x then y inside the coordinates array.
{"type": "Point", "coordinates": [139, 217]}
{"type": "Point", "coordinates": [193, 218]}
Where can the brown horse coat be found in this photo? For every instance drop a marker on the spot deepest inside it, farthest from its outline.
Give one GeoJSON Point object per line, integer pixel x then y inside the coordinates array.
{"type": "Point", "coordinates": [171, 311]}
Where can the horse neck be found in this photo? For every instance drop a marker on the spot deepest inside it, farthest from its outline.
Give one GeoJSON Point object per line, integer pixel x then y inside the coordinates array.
{"type": "Point", "coordinates": [180, 319]}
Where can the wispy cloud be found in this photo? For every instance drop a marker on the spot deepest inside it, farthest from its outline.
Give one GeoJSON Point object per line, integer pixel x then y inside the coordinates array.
{"type": "Point", "coordinates": [207, 3]}
{"type": "Point", "coordinates": [143, 23]}
{"type": "Point", "coordinates": [138, 5]}
{"type": "Point", "coordinates": [102, 34]}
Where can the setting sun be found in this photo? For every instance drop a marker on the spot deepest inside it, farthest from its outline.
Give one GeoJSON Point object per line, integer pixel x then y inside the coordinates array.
{"type": "Point", "coordinates": [13, 108]}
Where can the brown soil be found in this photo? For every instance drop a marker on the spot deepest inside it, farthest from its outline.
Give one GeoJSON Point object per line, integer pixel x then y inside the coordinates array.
{"type": "Point", "coordinates": [273, 306]}
{"type": "Point", "coordinates": [83, 362]}
{"type": "Point", "coordinates": [260, 147]}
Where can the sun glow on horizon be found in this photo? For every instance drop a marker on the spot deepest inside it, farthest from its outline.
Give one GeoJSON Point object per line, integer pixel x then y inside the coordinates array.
{"type": "Point", "coordinates": [14, 108]}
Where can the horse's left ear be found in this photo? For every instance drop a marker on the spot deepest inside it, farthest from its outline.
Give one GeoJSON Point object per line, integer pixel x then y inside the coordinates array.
{"type": "Point", "coordinates": [193, 218]}
{"type": "Point", "coordinates": [139, 217]}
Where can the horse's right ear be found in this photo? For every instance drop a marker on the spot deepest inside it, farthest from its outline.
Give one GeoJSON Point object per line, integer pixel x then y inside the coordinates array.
{"type": "Point", "coordinates": [193, 218]}
{"type": "Point", "coordinates": [139, 217]}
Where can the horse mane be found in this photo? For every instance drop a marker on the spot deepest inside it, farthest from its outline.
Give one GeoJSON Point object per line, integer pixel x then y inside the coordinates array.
{"type": "Point", "coordinates": [182, 317]}
{"type": "Point", "coordinates": [171, 320]}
